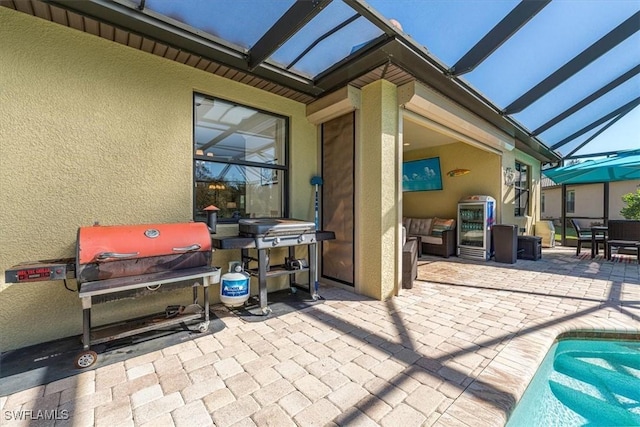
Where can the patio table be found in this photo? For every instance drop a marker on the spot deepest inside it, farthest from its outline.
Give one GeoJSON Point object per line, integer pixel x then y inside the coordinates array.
{"type": "Point", "coordinates": [595, 231]}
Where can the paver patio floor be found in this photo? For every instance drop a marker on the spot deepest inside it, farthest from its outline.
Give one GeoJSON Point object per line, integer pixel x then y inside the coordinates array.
{"type": "Point", "coordinates": [459, 348]}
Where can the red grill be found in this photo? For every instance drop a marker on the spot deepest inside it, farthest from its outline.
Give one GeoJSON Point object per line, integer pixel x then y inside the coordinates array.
{"type": "Point", "coordinates": [125, 261]}
{"type": "Point", "coordinates": [107, 252]}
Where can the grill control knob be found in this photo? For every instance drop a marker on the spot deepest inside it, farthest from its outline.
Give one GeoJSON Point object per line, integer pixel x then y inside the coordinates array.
{"type": "Point", "coordinates": [301, 239]}
{"type": "Point", "coordinates": [276, 241]}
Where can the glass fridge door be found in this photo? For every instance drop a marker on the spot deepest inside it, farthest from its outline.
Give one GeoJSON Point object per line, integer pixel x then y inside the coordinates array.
{"type": "Point", "coordinates": [471, 225]}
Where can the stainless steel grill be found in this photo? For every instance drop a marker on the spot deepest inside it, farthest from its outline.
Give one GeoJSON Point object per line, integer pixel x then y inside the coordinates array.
{"type": "Point", "coordinates": [274, 232]}
{"type": "Point", "coordinates": [264, 234]}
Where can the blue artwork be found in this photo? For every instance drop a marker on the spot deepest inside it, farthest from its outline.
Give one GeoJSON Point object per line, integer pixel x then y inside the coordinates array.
{"type": "Point", "coordinates": [421, 175]}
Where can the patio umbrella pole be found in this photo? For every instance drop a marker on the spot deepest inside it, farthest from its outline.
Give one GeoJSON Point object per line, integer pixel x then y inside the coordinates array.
{"type": "Point", "coordinates": [316, 181]}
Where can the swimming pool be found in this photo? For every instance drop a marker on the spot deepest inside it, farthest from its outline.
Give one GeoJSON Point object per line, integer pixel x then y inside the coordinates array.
{"type": "Point", "coordinates": [584, 382]}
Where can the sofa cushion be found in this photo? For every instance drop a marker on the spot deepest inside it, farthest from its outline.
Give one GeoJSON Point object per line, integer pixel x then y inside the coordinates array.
{"type": "Point", "coordinates": [432, 240]}
{"type": "Point", "coordinates": [439, 225]}
{"type": "Point", "coordinates": [420, 227]}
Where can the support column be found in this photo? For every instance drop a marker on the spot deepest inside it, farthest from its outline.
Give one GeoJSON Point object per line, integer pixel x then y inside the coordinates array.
{"type": "Point", "coordinates": [378, 195]}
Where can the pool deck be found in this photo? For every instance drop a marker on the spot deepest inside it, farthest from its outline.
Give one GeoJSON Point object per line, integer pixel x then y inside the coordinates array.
{"type": "Point", "coordinates": [456, 350]}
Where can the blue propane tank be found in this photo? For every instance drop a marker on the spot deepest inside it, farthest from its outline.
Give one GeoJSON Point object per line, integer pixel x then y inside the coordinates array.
{"type": "Point", "coordinates": [234, 286]}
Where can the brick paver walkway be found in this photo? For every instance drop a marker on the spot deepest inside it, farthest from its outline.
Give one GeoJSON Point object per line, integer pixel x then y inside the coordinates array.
{"type": "Point", "coordinates": [457, 349]}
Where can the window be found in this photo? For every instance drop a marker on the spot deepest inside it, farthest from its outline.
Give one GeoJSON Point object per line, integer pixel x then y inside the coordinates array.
{"type": "Point", "coordinates": [240, 160]}
{"type": "Point", "coordinates": [571, 201]}
{"type": "Point", "coordinates": [542, 203]}
{"type": "Point", "coordinates": [522, 189]}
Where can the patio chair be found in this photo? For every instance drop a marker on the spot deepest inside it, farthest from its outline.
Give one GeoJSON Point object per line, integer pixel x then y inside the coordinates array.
{"type": "Point", "coordinates": [585, 236]}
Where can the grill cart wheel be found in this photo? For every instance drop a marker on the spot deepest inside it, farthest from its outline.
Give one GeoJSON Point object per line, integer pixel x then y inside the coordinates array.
{"type": "Point", "coordinates": [86, 359]}
{"type": "Point", "coordinates": [203, 327]}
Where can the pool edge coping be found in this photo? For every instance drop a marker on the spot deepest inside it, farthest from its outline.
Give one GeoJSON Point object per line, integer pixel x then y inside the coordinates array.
{"type": "Point", "coordinates": [496, 391]}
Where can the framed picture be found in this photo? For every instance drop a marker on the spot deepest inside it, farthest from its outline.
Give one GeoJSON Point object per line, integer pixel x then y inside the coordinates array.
{"type": "Point", "coordinates": [268, 176]}
{"type": "Point", "coordinates": [422, 175]}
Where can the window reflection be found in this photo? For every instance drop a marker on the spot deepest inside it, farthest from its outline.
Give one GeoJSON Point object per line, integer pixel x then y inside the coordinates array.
{"type": "Point", "coordinates": [239, 160]}
{"type": "Point", "coordinates": [522, 189]}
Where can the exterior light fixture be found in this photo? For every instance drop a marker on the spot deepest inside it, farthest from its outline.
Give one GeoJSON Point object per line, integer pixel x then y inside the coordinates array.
{"type": "Point", "coordinates": [509, 176]}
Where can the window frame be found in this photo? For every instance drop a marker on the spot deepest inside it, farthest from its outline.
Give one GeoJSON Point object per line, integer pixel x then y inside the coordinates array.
{"type": "Point", "coordinates": [571, 201]}
{"type": "Point", "coordinates": [282, 168]}
{"type": "Point", "coordinates": [520, 190]}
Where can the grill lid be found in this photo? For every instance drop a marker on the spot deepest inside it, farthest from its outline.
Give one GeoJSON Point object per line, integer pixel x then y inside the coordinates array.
{"type": "Point", "coordinates": [98, 244]}
{"type": "Point", "coordinates": [261, 226]}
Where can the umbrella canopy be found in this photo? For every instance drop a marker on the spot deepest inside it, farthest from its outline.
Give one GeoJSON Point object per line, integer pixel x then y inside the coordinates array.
{"type": "Point", "coordinates": [625, 166]}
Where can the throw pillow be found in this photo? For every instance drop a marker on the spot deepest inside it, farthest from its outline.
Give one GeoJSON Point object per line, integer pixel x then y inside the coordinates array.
{"type": "Point", "coordinates": [438, 225]}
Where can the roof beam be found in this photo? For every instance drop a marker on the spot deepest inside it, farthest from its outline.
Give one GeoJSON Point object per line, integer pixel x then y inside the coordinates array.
{"type": "Point", "coordinates": [322, 37]}
{"type": "Point", "coordinates": [392, 46]}
{"type": "Point", "coordinates": [424, 68]}
{"type": "Point", "coordinates": [595, 135]}
{"type": "Point", "coordinates": [499, 34]}
{"type": "Point", "coordinates": [631, 104]}
{"type": "Point", "coordinates": [156, 27]}
{"type": "Point", "coordinates": [590, 54]}
{"type": "Point", "coordinates": [301, 12]}
{"type": "Point", "coordinates": [589, 99]}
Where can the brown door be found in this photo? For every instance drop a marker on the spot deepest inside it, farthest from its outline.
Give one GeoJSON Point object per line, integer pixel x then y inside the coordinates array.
{"type": "Point", "coordinates": [338, 163]}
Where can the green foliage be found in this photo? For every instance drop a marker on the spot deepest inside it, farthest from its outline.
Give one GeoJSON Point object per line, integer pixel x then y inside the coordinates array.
{"type": "Point", "coordinates": [632, 210]}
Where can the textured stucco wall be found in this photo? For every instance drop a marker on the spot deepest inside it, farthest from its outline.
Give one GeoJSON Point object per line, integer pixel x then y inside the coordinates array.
{"type": "Point", "coordinates": [95, 131]}
{"type": "Point", "coordinates": [377, 221]}
{"type": "Point", "coordinates": [508, 192]}
{"type": "Point", "coordinates": [552, 202]}
{"type": "Point", "coordinates": [484, 178]}
{"type": "Point", "coordinates": [589, 199]}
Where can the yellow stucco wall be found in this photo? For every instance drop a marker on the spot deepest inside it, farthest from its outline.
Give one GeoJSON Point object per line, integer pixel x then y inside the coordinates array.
{"type": "Point", "coordinates": [377, 222]}
{"type": "Point", "coordinates": [507, 215]}
{"type": "Point", "coordinates": [589, 199]}
{"type": "Point", "coordinates": [552, 203]}
{"type": "Point", "coordinates": [96, 131]}
{"type": "Point", "coordinates": [484, 179]}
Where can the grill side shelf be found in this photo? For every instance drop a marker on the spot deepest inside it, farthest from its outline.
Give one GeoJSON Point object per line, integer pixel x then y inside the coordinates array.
{"type": "Point", "coordinates": [135, 282]}
{"type": "Point", "coordinates": [276, 270]}
{"type": "Point", "coordinates": [241, 242]}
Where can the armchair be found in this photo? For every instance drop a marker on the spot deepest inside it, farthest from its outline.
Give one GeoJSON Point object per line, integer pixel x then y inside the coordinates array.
{"type": "Point", "coordinates": [409, 260]}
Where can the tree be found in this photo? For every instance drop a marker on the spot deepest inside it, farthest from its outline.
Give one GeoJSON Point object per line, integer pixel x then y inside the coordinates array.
{"type": "Point", "coordinates": [632, 210]}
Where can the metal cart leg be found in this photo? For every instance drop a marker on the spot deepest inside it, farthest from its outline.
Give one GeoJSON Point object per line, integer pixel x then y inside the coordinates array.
{"type": "Point", "coordinates": [313, 271]}
{"type": "Point", "coordinates": [204, 326]}
{"type": "Point", "coordinates": [87, 357]}
{"type": "Point", "coordinates": [86, 323]}
{"type": "Point", "coordinates": [292, 255]}
{"type": "Point", "coordinates": [262, 281]}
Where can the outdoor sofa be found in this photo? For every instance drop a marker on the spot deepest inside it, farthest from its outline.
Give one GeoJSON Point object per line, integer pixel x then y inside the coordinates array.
{"type": "Point", "coordinates": [436, 236]}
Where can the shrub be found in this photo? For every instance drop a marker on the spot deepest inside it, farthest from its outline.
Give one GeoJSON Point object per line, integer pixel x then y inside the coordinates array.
{"type": "Point", "coordinates": [632, 210]}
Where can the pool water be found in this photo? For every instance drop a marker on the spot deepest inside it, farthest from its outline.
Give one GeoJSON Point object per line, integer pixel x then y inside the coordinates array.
{"type": "Point", "coordinates": [584, 382]}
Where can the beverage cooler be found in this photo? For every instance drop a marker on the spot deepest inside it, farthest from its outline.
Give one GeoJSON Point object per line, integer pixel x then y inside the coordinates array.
{"type": "Point", "coordinates": [476, 216]}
